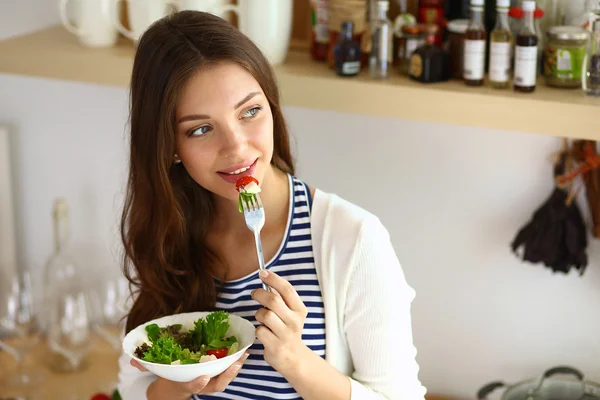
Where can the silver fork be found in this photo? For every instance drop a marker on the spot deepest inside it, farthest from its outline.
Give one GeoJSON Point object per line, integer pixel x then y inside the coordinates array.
{"type": "Point", "coordinates": [254, 214]}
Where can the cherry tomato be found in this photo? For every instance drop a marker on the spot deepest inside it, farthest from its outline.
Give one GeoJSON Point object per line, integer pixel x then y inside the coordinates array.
{"type": "Point", "coordinates": [100, 396]}
{"type": "Point", "coordinates": [243, 181]}
{"type": "Point", "coordinates": [219, 353]}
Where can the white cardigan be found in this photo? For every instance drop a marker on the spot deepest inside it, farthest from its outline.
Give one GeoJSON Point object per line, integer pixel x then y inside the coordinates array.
{"type": "Point", "coordinates": [367, 306]}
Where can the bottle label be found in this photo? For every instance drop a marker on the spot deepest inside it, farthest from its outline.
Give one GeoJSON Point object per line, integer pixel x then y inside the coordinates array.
{"type": "Point", "coordinates": [320, 17]}
{"type": "Point", "coordinates": [474, 62]}
{"type": "Point", "coordinates": [416, 66]}
{"type": "Point", "coordinates": [500, 55]}
{"type": "Point", "coordinates": [564, 63]}
{"type": "Point", "coordinates": [351, 67]}
{"type": "Point", "coordinates": [525, 65]}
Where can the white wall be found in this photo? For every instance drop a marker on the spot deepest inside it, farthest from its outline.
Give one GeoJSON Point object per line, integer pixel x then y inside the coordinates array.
{"type": "Point", "coordinates": [452, 211]}
{"type": "Point", "coordinates": [22, 16]}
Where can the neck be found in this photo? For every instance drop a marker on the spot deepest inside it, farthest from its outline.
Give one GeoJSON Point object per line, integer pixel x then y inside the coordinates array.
{"type": "Point", "coordinates": [477, 16]}
{"type": "Point", "coordinates": [274, 196]}
{"type": "Point", "coordinates": [502, 18]}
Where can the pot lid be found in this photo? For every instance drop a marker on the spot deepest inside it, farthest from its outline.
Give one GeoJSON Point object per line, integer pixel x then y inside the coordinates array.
{"type": "Point", "coordinates": [548, 387]}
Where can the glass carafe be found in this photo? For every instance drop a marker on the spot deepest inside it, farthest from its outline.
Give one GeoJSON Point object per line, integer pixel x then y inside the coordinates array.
{"type": "Point", "coordinates": [67, 319]}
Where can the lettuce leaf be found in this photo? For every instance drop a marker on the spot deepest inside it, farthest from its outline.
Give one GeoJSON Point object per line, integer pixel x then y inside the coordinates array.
{"type": "Point", "coordinates": [163, 351]}
{"type": "Point", "coordinates": [214, 329]}
{"type": "Point", "coordinates": [153, 332]}
{"type": "Point", "coordinates": [246, 198]}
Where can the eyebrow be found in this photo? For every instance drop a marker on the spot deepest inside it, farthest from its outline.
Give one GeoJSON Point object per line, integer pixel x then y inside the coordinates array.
{"type": "Point", "coordinates": [194, 117]}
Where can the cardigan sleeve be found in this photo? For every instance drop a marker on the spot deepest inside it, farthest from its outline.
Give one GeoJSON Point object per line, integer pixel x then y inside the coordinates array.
{"type": "Point", "coordinates": [133, 383]}
{"type": "Point", "coordinates": [377, 319]}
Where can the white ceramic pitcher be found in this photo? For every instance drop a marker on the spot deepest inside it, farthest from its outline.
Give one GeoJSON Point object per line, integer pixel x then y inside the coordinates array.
{"type": "Point", "coordinates": [221, 8]}
{"type": "Point", "coordinates": [268, 23]}
{"type": "Point", "coordinates": [142, 13]}
{"type": "Point", "coordinates": [93, 21]}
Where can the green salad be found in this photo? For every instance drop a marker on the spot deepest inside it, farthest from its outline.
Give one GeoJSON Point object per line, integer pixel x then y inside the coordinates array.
{"type": "Point", "coordinates": [206, 342]}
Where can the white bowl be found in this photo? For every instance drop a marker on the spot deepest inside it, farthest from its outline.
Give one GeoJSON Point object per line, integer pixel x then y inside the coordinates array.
{"type": "Point", "coordinates": [241, 328]}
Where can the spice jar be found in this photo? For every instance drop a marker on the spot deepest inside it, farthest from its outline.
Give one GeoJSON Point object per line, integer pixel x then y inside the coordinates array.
{"type": "Point", "coordinates": [456, 45]}
{"type": "Point", "coordinates": [413, 37]}
{"type": "Point", "coordinates": [564, 55]}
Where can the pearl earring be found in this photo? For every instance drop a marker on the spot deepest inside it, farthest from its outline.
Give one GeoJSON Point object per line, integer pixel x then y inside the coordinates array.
{"type": "Point", "coordinates": [177, 160]}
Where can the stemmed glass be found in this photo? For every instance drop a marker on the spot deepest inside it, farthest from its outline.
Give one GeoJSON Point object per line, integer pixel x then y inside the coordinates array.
{"type": "Point", "coordinates": [70, 331]}
{"type": "Point", "coordinates": [108, 299]}
{"type": "Point", "coordinates": [19, 330]}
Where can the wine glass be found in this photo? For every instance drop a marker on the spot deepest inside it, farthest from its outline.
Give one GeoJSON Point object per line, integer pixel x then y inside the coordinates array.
{"type": "Point", "coordinates": [19, 330]}
{"type": "Point", "coordinates": [108, 298]}
{"type": "Point", "coordinates": [70, 329]}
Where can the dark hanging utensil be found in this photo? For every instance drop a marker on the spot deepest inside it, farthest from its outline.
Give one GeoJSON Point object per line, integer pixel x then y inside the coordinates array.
{"type": "Point", "coordinates": [586, 153]}
{"type": "Point", "coordinates": [556, 235]}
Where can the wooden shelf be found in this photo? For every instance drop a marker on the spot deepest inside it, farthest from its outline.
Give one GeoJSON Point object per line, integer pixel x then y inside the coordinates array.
{"type": "Point", "coordinates": [55, 53]}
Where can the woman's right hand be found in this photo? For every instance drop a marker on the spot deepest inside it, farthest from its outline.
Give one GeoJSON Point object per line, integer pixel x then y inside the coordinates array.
{"type": "Point", "coordinates": [164, 389]}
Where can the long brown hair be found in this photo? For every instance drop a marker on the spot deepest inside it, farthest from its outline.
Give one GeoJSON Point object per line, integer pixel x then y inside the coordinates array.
{"type": "Point", "coordinates": [166, 214]}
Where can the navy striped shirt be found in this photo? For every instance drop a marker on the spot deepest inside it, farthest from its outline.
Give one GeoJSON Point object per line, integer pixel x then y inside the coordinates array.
{"type": "Point", "coordinates": [294, 261]}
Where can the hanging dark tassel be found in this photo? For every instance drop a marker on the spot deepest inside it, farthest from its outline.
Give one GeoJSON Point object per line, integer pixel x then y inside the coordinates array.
{"type": "Point", "coordinates": [556, 235]}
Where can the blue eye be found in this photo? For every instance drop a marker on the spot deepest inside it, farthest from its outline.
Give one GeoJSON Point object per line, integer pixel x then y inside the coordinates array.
{"type": "Point", "coordinates": [252, 112]}
{"type": "Point", "coordinates": [200, 131]}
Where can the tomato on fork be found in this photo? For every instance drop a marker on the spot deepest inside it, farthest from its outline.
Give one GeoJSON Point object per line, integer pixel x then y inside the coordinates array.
{"type": "Point", "coordinates": [243, 181]}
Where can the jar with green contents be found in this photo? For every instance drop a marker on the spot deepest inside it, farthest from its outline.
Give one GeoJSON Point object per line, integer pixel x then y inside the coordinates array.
{"type": "Point", "coordinates": [563, 56]}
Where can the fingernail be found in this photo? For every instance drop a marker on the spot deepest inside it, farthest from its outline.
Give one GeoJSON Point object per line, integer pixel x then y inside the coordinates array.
{"type": "Point", "coordinates": [236, 367]}
{"type": "Point", "coordinates": [246, 355]}
{"type": "Point", "coordinates": [252, 293]}
{"type": "Point", "coordinates": [264, 273]}
{"type": "Point", "coordinates": [204, 380]}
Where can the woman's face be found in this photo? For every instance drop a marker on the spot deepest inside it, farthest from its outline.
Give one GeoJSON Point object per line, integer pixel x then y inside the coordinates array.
{"type": "Point", "coordinates": [224, 128]}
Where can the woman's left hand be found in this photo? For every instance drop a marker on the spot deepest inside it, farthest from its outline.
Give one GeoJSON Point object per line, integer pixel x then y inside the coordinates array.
{"type": "Point", "coordinates": [283, 321]}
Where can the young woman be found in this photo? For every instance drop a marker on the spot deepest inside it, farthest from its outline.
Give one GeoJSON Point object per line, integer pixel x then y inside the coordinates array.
{"type": "Point", "coordinates": [205, 111]}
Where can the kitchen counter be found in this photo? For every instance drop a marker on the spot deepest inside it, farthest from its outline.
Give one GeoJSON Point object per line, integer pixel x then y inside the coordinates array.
{"type": "Point", "coordinates": [99, 375]}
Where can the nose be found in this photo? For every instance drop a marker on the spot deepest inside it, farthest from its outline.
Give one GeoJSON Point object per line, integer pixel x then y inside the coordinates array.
{"type": "Point", "coordinates": [234, 141]}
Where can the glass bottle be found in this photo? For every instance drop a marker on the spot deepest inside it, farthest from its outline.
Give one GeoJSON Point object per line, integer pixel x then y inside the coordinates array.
{"type": "Point", "coordinates": [475, 46]}
{"type": "Point", "coordinates": [591, 12]}
{"type": "Point", "coordinates": [346, 52]}
{"type": "Point", "coordinates": [526, 52]}
{"type": "Point", "coordinates": [591, 66]}
{"type": "Point", "coordinates": [429, 63]}
{"type": "Point", "coordinates": [320, 32]}
{"type": "Point", "coordinates": [62, 278]}
{"type": "Point", "coordinates": [60, 267]}
{"type": "Point", "coordinates": [380, 58]}
{"type": "Point", "coordinates": [501, 41]}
